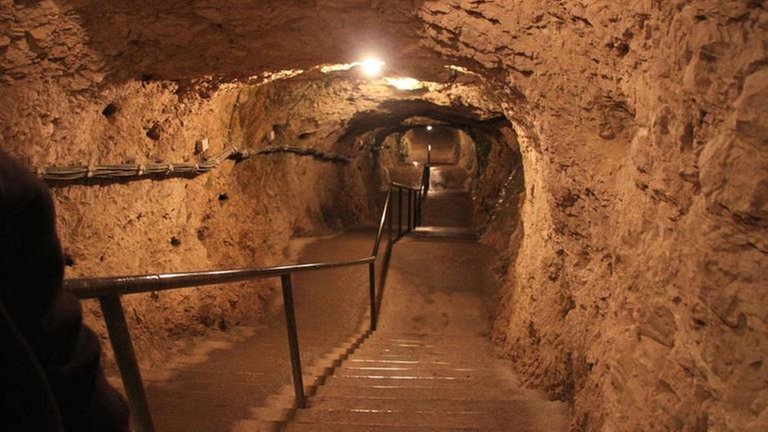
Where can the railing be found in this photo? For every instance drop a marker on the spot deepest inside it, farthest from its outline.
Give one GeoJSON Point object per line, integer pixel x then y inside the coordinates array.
{"type": "Point", "coordinates": [109, 290]}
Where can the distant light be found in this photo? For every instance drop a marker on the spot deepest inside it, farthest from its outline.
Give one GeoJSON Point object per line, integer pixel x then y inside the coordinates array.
{"type": "Point", "coordinates": [405, 83]}
{"type": "Point", "coordinates": [415, 163]}
{"type": "Point", "coordinates": [371, 66]}
{"type": "Point", "coordinates": [429, 128]}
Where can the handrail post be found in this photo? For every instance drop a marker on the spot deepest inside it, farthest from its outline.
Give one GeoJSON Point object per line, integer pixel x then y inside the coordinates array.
{"type": "Point", "coordinates": [293, 341]}
{"type": "Point", "coordinates": [120, 337]}
{"type": "Point", "coordinates": [372, 286]}
{"type": "Point", "coordinates": [399, 211]}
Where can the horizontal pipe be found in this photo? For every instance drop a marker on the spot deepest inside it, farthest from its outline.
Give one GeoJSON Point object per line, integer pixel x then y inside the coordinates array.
{"type": "Point", "coordinates": [97, 287]}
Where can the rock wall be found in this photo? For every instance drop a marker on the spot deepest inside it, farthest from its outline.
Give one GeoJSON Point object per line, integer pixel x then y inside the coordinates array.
{"type": "Point", "coordinates": [240, 214]}
{"type": "Point", "coordinates": [635, 281]}
{"type": "Point", "coordinates": [497, 187]}
{"type": "Point", "coordinates": [72, 96]}
{"type": "Point", "coordinates": [638, 290]}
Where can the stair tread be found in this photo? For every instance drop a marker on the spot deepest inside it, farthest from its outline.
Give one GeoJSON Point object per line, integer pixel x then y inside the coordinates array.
{"type": "Point", "coordinates": [437, 345]}
{"type": "Point", "coordinates": [455, 357]}
{"type": "Point", "coordinates": [422, 405]}
{"type": "Point", "coordinates": [466, 419]}
{"type": "Point", "coordinates": [420, 391]}
{"type": "Point", "coordinates": [444, 232]}
{"type": "Point", "coordinates": [405, 381]}
{"type": "Point", "coordinates": [342, 427]}
{"type": "Point", "coordinates": [415, 371]}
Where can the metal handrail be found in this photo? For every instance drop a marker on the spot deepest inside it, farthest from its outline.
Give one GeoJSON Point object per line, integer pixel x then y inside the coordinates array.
{"type": "Point", "coordinates": [109, 290]}
{"type": "Point", "coordinates": [86, 288]}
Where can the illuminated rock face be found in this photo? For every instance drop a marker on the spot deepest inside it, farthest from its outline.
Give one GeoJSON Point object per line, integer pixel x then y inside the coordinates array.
{"type": "Point", "coordinates": [636, 265]}
{"type": "Point", "coordinates": [638, 290]}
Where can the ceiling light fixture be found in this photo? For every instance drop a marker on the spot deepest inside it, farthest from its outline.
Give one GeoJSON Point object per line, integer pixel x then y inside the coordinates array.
{"type": "Point", "coordinates": [371, 66]}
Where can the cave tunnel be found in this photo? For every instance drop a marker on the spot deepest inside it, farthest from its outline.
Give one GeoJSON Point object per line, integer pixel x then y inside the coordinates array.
{"type": "Point", "coordinates": [567, 204]}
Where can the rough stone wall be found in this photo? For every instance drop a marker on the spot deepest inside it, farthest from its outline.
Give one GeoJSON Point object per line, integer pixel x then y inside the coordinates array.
{"type": "Point", "coordinates": [497, 186]}
{"type": "Point", "coordinates": [237, 215]}
{"type": "Point", "coordinates": [639, 289]}
{"type": "Point", "coordinates": [72, 96]}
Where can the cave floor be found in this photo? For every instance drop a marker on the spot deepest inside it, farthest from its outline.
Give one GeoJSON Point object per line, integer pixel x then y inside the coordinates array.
{"type": "Point", "coordinates": [429, 366]}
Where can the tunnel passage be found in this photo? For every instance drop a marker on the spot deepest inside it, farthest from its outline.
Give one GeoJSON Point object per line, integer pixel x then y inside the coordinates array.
{"type": "Point", "coordinates": [633, 263]}
{"type": "Point", "coordinates": [432, 144]}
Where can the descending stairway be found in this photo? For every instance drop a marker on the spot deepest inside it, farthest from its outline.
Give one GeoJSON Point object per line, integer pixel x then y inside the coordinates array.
{"type": "Point", "coordinates": [416, 382]}
{"type": "Point", "coordinates": [430, 366]}
{"type": "Point", "coordinates": [447, 211]}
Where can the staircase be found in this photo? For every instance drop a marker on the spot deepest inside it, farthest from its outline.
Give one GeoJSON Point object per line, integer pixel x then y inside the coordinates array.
{"type": "Point", "coordinates": [447, 211]}
{"type": "Point", "coordinates": [416, 382]}
{"type": "Point", "coordinates": [430, 366]}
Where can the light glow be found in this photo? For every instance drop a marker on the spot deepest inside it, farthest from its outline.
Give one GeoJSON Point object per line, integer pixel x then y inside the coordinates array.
{"type": "Point", "coordinates": [371, 66]}
{"type": "Point", "coordinates": [429, 129]}
{"type": "Point", "coordinates": [337, 67]}
{"type": "Point", "coordinates": [405, 83]}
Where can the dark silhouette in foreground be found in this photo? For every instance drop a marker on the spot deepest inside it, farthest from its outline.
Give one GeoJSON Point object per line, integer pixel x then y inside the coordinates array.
{"type": "Point", "coordinates": [50, 371]}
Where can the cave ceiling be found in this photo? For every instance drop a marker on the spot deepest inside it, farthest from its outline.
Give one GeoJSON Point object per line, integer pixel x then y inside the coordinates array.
{"type": "Point", "coordinates": [235, 39]}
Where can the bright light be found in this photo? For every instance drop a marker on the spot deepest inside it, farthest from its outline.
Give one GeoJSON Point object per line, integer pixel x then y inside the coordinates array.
{"type": "Point", "coordinates": [404, 83]}
{"type": "Point", "coordinates": [371, 66]}
{"type": "Point", "coordinates": [429, 128]}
